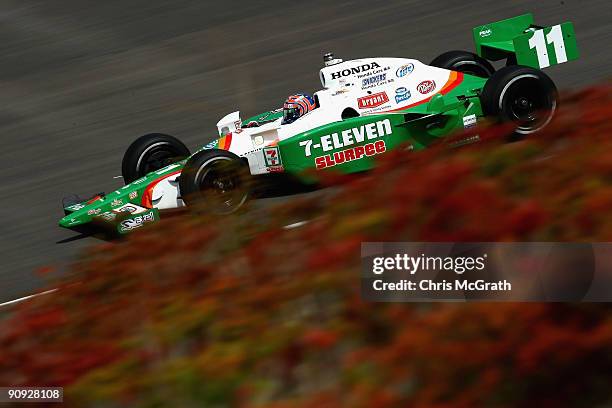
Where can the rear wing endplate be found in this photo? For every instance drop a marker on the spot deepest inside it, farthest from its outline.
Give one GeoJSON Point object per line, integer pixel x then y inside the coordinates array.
{"type": "Point", "coordinates": [528, 44]}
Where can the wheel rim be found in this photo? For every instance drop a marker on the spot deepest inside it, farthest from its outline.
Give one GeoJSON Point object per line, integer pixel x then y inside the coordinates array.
{"type": "Point", "coordinates": [221, 185]}
{"type": "Point", "coordinates": [529, 104]}
{"type": "Point", "coordinates": [155, 157]}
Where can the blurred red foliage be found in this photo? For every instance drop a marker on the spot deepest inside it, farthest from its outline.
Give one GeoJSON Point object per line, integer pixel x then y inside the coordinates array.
{"type": "Point", "coordinates": [241, 311]}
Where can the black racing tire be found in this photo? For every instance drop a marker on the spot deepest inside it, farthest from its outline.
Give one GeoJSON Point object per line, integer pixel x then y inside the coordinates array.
{"type": "Point", "coordinates": [149, 153]}
{"type": "Point", "coordinates": [464, 61]}
{"type": "Point", "coordinates": [523, 95]}
{"type": "Point", "coordinates": [215, 181]}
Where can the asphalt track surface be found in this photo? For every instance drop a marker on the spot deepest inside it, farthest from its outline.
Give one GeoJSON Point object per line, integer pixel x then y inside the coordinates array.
{"type": "Point", "coordinates": [80, 79]}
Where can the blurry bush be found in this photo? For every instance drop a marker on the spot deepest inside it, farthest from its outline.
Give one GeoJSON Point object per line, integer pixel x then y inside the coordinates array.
{"type": "Point", "coordinates": [240, 311]}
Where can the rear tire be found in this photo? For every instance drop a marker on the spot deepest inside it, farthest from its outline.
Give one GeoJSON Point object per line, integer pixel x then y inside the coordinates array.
{"type": "Point", "coordinates": [523, 95]}
{"type": "Point", "coordinates": [215, 181]}
{"type": "Point", "coordinates": [466, 62]}
{"type": "Point", "coordinates": [149, 153]}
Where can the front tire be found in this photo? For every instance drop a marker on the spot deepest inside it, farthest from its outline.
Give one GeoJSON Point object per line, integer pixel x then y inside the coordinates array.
{"type": "Point", "coordinates": [149, 153]}
{"type": "Point", "coordinates": [463, 61]}
{"type": "Point", "coordinates": [522, 95]}
{"type": "Point", "coordinates": [215, 181]}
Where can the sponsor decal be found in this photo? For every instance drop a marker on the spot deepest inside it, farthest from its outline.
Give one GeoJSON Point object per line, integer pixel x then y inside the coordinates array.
{"type": "Point", "coordinates": [372, 101]}
{"type": "Point", "coordinates": [225, 142]}
{"type": "Point", "coordinates": [211, 145]}
{"type": "Point", "coordinates": [426, 87]}
{"type": "Point", "coordinates": [373, 81]}
{"type": "Point", "coordinates": [402, 94]}
{"type": "Point", "coordinates": [140, 180]}
{"type": "Point", "coordinates": [466, 141]}
{"type": "Point", "coordinates": [404, 70]}
{"type": "Point", "coordinates": [354, 153]}
{"type": "Point", "coordinates": [109, 216]}
{"type": "Point", "coordinates": [469, 121]}
{"type": "Point", "coordinates": [380, 108]}
{"type": "Point", "coordinates": [75, 207]}
{"type": "Point", "coordinates": [94, 211]}
{"type": "Point", "coordinates": [136, 222]}
{"type": "Point", "coordinates": [133, 195]}
{"type": "Point", "coordinates": [116, 202]}
{"type": "Point", "coordinates": [238, 126]}
{"type": "Point", "coordinates": [348, 137]}
{"type": "Point", "coordinates": [455, 79]}
{"type": "Point", "coordinates": [371, 73]}
{"type": "Point", "coordinates": [340, 91]}
{"type": "Point", "coordinates": [272, 156]}
{"type": "Point", "coordinates": [485, 32]}
{"type": "Point", "coordinates": [354, 70]}
{"type": "Point", "coordinates": [130, 208]}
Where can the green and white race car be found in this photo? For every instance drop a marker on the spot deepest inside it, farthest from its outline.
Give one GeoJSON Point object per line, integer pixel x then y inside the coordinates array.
{"type": "Point", "coordinates": [366, 107]}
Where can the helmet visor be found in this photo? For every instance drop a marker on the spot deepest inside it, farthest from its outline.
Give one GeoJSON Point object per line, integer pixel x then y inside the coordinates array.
{"type": "Point", "coordinates": [290, 114]}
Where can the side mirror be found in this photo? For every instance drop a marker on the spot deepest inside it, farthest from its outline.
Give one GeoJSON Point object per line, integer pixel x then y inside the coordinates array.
{"type": "Point", "coordinates": [229, 123]}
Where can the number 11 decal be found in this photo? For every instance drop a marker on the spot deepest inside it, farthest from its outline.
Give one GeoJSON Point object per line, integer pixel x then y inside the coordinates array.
{"type": "Point", "coordinates": [554, 37]}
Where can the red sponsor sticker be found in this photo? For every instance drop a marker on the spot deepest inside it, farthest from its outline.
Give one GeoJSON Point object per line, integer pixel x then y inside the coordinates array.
{"type": "Point", "coordinates": [372, 101]}
{"type": "Point", "coordinates": [275, 169]}
{"type": "Point", "coordinates": [347, 155]}
{"type": "Point", "coordinates": [426, 87]}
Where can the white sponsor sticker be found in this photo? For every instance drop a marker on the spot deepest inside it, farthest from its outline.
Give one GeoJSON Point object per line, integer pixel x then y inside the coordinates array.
{"type": "Point", "coordinates": [136, 222]}
{"type": "Point", "coordinates": [130, 208]}
{"type": "Point", "coordinates": [485, 32]}
{"type": "Point", "coordinates": [469, 121]}
{"type": "Point", "coordinates": [75, 207]}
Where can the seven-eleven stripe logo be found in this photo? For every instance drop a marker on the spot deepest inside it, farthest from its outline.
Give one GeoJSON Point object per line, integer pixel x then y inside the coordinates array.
{"type": "Point", "coordinates": [272, 156]}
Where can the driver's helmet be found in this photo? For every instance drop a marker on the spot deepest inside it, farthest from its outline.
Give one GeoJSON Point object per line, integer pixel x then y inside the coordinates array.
{"type": "Point", "coordinates": [297, 106]}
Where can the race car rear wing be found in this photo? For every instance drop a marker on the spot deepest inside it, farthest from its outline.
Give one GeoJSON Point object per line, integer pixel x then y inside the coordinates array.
{"type": "Point", "coordinates": [524, 43]}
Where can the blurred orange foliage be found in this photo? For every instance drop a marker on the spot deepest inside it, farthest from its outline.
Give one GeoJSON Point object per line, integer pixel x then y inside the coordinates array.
{"type": "Point", "coordinates": [240, 311]}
